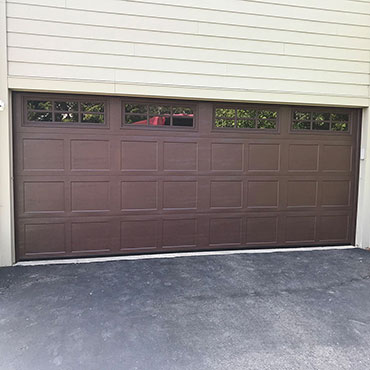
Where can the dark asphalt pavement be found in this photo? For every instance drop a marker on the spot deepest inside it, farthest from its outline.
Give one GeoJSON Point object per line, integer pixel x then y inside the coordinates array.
{"type": "Point", "coordinates": [298, 310]}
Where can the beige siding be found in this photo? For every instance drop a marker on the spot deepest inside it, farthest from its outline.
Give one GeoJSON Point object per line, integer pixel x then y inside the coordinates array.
{"type": "Point", "coordinates": [271, 50]}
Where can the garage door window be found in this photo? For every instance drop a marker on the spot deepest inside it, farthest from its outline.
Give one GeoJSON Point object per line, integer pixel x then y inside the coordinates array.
{"type": "Point", "coordinates": [158, 115]}
{"type": "Point", "coordinates": [320, 121]}
{"type": "Point", "coordinates": [244, 118]}
{"type": "Point", "coordinates": [65, 112]}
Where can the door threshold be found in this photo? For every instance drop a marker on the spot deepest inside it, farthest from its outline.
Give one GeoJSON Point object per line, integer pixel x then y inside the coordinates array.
{"type": "Point", "coordinates": [177, 255]}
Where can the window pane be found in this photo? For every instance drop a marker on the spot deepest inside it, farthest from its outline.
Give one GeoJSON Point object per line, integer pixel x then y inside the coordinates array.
{"type": "Point", "coordinates": [303, 116]}
{"type": "Point", "coordinates": [318, 125]}
{"type": "Point", "coordinates": [92, 118]}
{"type": "Point", "coordinates": [266, 124]}
{"type": "Point", "coordinates": [136, 108]}
{"type": "Point", "coordinates": [340, 117]}
{"type": "Point", "coordinates": [224, 112]}
{"type": "Point", "coordinates": [322, 121]}
{"type": "Point", "coordinates": [66, 117]}
{"type": "Point", "coordinates": [182, 116]}
{"type": "Point", "coordinates": [39, 104]}
{"type": "Point", "coordinates": [136, 120]}
{"type": "Point", "coordinates": [183, 122]}
{"type": "Point", "coordinates": [302, 125]}
{"type": "Point", "coordinates": [321, 116]}
{"type": "Point", "coordinates": [159, 121]}
{"type": "Point", "coordinates": [92, 107]}
{"type": "Point", "coordinates": [225, 122]}
{"type": "Point", "coordinates": [339, 126]}
{"type": "Point", "coordinates": [159, 109]}
{"type": "Point", "coordinates": [39, 116]}
{"type": "Point", "coordinates": [247, 113]}
{"type": "Point", "coordinates": [246, 123]}
{"type": "Point", "coordinates": [267, 114]}
{"type": "Point", "coordinates": [186, 111]}
{"type": "Point", "coordinates": [66, 106]}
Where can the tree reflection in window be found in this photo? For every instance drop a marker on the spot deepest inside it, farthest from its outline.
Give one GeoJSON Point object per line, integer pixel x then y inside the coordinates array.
{"type": "Point", "coordinates": [66, 111]}
{"type": "Point", "coordinates": [246, 118]}
{"type": "Point", "coordinates": [320, 121]}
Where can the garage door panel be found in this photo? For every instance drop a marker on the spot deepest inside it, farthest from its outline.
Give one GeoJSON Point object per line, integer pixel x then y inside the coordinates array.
{"type": "Point", "coordinates": [43, 197]}
{"type": "Point", "coordinates": [336, 158]}
{"type": "Point", "coordinates": [180, 194]}
{"type": "Point", "coordinates": [139, 185]}
{"type": "Point", "coordinates": [262, 230]}
{"type": "Point", "coordinates": [227, 157]}
{"type": "Point", "coordinates": [301, 229]}
{"type": "Point", "coordinates": [42, 155]}
{"type": "Point", "coordinates": [43, 238]}
{"type": "Point", "coordinates": [180, 233]}
{"type": "Point", "coordinates": [264, 157]}
{"type": "Point", "coordinates": [90, 196]}
{"type": "Point", "coordinates": [139, 155]}
{"type": "Point", "coordinates": [263, 193]}
{"type": "Point", "coordinates": [302, 193]}
{"type": "Point", "coordinates": [90, 155]}
{"type": "Point", "coordinates": [139, 195]}
{"type": "Point", "coordinates": [139, 235]}
{"type": "Point", "coordinates": [336, 193]}
{"type": "Point", "coordinates": [334, 228]}
{"type": "Point", "coordinates": [227, 194]}
{"type": "Point", "coordinates": [180, 156]}
{"type": "Point", "coordinates": [91, 237]}
{"type": "Point", "coordinates": [225, 231]}
{"type": "Point", "coordinates": [303, 158]}
{"type": "Point", "coordinates": [39, 156]}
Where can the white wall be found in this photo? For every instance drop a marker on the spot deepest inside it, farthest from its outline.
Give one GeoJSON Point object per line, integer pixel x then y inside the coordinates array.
{"type": "Point", "coordinates": [285, 51]}
{"type": "Point", "coordinates": [6, 235]}
{"type": "Point", "coordinates": [363, 213]}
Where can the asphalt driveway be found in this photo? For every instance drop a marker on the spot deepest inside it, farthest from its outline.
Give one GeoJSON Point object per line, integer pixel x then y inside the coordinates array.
{"type": "Point", "coordinates": [305, 310]}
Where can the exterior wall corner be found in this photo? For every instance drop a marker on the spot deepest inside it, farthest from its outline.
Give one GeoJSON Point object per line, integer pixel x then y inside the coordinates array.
{"type": "Point", "coordinates": [363, 210]}
{"type": "Point", "coordinates": [6, 196]}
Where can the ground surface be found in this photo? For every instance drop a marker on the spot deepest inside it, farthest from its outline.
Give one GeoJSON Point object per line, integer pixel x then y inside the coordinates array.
{"type": "Point", "coordinates": [307, 310]}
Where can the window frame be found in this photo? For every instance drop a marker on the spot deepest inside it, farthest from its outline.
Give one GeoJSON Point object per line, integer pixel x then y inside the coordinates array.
{"type": "Point", "coordinates": [159, 102]}
{"type": "Point", "coordinates": [312, 110]}
{"type": "Point", "coordinates": [65, 98]}
{"type": "Point", "coordinates": [255, 130]}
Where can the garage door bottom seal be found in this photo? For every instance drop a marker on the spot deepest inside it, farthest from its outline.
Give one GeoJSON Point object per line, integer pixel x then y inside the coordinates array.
{"type": "Point", "coordinates": [177, 255]}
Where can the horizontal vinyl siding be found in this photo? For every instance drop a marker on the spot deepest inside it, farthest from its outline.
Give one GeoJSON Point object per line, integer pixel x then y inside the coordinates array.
{"type": "Point", "coordinates": [268, 47]}
{"type": "Point", "coordinates": [189, 41]}
{"type": "Point", "coordinates": [141, 15]}
{"type": "Point", "coordinates": [224, 57]}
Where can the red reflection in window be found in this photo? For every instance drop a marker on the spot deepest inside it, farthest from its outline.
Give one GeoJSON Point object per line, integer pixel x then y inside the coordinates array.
{"type": "Point", "coordinates": [158, 121]}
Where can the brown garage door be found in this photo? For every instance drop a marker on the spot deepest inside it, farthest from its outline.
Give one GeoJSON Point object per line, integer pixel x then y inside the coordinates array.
{"type": "Point", "coordinates": [108, 175]}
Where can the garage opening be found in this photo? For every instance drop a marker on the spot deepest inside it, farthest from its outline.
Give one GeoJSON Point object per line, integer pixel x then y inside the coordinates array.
{"type": "Point", "coordinates": [97, 175]}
